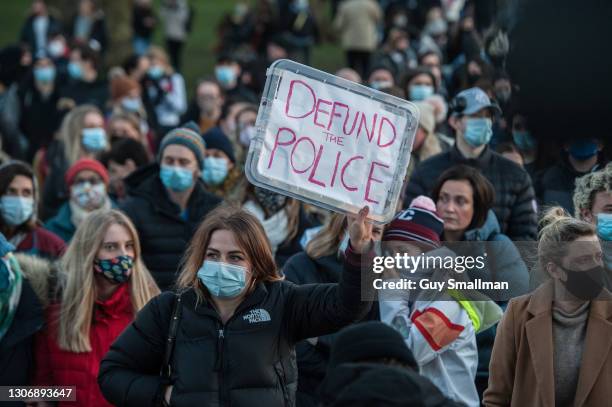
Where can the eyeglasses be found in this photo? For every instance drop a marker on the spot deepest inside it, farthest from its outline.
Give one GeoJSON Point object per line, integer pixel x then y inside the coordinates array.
{"type": "Point", "coordinates": [92, 180]}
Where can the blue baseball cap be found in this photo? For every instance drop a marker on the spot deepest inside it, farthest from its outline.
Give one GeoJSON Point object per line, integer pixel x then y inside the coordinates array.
{"type": "Point", "coordinates": [473, 100]}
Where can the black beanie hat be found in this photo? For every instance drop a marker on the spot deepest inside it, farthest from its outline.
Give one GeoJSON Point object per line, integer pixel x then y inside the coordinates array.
{"type": "Point", "coordinates": [370, 340]}
{"type": "Point", "coordinates": [216, 139]}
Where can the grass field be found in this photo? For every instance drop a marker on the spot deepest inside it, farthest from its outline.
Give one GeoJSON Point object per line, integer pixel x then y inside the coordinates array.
{"type": "Point", "coordinates": [198, 58]}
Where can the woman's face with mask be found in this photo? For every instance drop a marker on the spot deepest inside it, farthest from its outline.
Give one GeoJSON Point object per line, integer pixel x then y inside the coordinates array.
{"type": "Point", "coordinates": [120, 128]}
{"type": "Point", "coordinates": [209, 97]}
{"type": "Point", "coordinates": [226, 270]}
{"type": "Point", "coordinates": [580, 271]}
{"type": "Point", "coordinates": [224, 248]}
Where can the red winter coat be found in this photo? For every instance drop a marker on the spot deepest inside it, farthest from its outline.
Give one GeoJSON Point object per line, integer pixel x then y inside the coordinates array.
{"type": "Point", "coordinates": [43, 243]}
{"type": "Point", "coordinates": [57, 367]}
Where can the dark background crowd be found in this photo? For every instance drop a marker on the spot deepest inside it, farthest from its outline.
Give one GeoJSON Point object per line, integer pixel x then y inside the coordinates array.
{"type": "Point", "coordinates": [146, 109]}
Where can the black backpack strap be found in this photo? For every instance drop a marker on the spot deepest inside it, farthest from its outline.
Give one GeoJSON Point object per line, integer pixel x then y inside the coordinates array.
{"type": "Point", "coordinates": [177, 310]}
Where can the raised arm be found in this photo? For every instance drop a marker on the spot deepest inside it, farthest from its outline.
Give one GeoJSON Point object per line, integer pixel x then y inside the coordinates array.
{"type": "Point", "coordinates": [320, 309]}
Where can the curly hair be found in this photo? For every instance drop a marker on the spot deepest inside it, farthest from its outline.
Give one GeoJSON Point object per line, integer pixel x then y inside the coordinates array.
{"type": "Point", "coordinates": [588, 186]}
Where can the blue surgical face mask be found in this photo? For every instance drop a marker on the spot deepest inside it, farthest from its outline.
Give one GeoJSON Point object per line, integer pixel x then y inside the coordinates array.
{"type": "Point", "coordinates": [16, 210]}
{"type": "Point", "coordinates": [225, 75]}
{"type": "Point", "coordinates": [75, 70]}
{"type": "Point", "coordinates": [155, 72]}
{"type": "Point", "coordinates": [131, 104]}
{"type": "Point", "coordinates": [299, 6]}
{"type": "Point", "coordinates": [604, 226]}
{"type": "Point", "coordinates": [215, 170]}
{"type": "Point", "coordinates": [583, 149]}
{"type": "Point", "coordinates": [420, 92]}
{"type": "Point", "coordinates": [176, 178]}
{"type": "Point", "coordinates": [44, 74]}
{"type": "Point", "coordinates": [378, 85]}
{"type": "Point", "coordinates": [94, 139]}
{"type": "Point", "coordinates": [524, 140]}
{"type": "Point", "coordinates": [478, 131]}
{"type": "Point", "coordinates": [222, 280]}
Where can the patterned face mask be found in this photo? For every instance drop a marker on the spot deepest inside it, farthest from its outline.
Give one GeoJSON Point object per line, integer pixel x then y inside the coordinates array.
{"type": "Point", "coordinates": [117, 269]}
{"type": "Point", "coordinates": [271, 201]}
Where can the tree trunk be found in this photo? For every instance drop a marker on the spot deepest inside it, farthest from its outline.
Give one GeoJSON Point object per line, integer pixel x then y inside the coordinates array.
{"type": "Point", "coordinates": [119, 26]}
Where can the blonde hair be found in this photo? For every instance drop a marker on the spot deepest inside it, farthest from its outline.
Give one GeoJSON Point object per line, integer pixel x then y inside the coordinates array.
{"type": "Point", "coordinates": [77, 284]}
{"type": "Point", "coordinates": [589, 185]}
{"type": "Point", "coordinates": [159, 53]}
{"type": "Point", "coordinates": [71, 129]}
{"type": "Point", "coordinates": [557, 229]}
{"type": "Point", "coordinates": [327, 240]}
{"type": "Point", "coordinates": [249, 235]}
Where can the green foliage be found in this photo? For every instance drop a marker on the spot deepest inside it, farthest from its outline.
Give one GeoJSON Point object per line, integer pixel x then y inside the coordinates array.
{"type": "Point", "coordinates": [198, 55]}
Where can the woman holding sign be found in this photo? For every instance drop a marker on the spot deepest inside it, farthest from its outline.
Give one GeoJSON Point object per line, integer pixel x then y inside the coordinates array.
{"type": "Point", "coordinates": [237, 322]}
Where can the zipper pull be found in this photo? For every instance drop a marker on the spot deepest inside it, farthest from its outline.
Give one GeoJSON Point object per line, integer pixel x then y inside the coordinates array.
{"type": "Point", "coordinates": [218, 361]}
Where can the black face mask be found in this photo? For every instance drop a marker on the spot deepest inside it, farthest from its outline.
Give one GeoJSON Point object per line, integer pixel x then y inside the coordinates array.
{"type": "Point", "coordinates": [586, 284]}
{"type": "Point", "coordinates": [271, 201]}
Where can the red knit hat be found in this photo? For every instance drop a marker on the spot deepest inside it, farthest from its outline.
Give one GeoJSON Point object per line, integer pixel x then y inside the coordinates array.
{"type": "Point", "coordinates": [419, 223]}
{"type": "Point", "coordinates": [86, 164]}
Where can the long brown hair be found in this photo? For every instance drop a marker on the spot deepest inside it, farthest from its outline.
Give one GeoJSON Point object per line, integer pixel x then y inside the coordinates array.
{"type": "Point", "coordinates": [249, 235]}
{"type": "Point", "coordinates": [71, 129]}
{"type": "Point", "coordinates": [77, 284]}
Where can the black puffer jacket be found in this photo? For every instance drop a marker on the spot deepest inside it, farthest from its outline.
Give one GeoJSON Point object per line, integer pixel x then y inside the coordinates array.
{"type": "Point", "coordinates": [312, 359]}
{"type": "Point", "coordinates": [164, 235]}
{"type": "Point", "coordinates": [248, 361]}
{"type": "Point", "coordinates": [514, 206]}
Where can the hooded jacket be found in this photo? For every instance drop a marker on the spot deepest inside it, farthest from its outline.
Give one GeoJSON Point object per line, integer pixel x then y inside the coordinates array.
{"type": "Point", "coordinates": [164, 234]}
{"type": "Point", "coordinates": [440, 329]}
{"type": "Point", "coordinates": [514, 206]}
{"type": "Point", "coordinates": [248, 360]}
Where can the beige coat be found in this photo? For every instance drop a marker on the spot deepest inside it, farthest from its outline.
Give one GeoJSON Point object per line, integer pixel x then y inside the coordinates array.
{"type": "Point", "coordinates": [521, 368]}
{"type": "Point", "coordinates": [356, 22]}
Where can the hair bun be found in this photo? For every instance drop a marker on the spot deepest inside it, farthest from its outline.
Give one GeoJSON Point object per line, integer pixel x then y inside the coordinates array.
{"type": "Point", "coordinates": [552, 215]}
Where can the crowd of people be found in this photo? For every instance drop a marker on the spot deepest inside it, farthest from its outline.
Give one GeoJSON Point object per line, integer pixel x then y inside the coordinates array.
{"type": "Point", "coordinates": [138, 264]}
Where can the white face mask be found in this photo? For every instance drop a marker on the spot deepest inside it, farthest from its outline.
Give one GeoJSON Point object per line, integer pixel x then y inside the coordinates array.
{"type": "Point", "coordinates": [88, 196]}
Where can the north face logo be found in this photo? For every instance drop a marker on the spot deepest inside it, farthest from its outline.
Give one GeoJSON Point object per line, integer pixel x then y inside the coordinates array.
{"type": "Point", "coordinates": [257, 315]}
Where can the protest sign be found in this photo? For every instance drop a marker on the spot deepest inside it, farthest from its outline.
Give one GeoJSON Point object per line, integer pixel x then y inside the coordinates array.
{"type": "Point", "coordinates": [331, 142]}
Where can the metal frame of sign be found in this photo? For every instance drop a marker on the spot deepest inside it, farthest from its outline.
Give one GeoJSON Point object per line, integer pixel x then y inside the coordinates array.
{"type": "Point", "coordinates": [388, 103]}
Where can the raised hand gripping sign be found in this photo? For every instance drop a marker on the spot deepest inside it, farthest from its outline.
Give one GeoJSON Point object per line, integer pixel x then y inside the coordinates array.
{"type": "Point", "coordinates": [331, 142]}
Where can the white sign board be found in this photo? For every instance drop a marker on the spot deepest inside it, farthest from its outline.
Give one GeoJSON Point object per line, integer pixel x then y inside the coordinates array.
{"type": "Point", "coordinates": [331, 142]}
